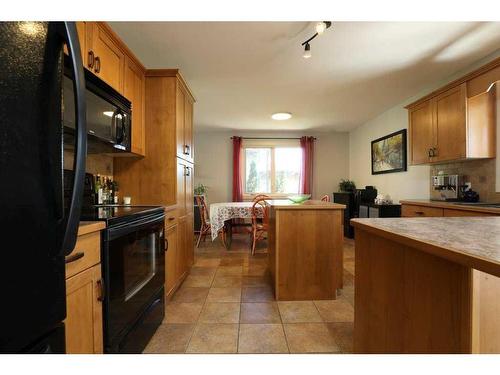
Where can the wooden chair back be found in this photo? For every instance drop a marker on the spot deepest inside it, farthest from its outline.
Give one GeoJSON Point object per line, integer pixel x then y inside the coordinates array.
{"type": "Point", "coordinates": [258, 205]}
{"type": "Point", "coordinates": [259, 196]}
{"type": "Point", "coordinates": [325, 198]}
{"type": "Point", "coordinates": [202, 206]}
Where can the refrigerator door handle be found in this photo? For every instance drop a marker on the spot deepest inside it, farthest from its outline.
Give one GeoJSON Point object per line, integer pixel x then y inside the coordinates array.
{"type": "Point", "coordinates": [73, 219]}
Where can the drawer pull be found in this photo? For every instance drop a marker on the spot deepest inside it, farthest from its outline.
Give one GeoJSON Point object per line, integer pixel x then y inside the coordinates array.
{"type": "Point", "coordinates": [75, 256]}
{"type": "Point", "coordinates": [171, 218]}
{"type": "Point", "coordinates": [100, 288]}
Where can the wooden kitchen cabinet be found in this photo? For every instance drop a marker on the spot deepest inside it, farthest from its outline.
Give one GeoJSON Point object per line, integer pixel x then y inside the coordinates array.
{"type": "Point", "coordinates": [81, 28]}
{"type": "Point", "coordinates": [457, 122]}
{"type": "Point", "coordinates": [84, 312]}
{"type": "Point", "coordinates": [171, 274]}
{"type": "Point", "coordinates": [134, 87]}
{"type": "Point", "coordinates": [84, 293]}
{"type": "Point", "coordinates": [184, 123]}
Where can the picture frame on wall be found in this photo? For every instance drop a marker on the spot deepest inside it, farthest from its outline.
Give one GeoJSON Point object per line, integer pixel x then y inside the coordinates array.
{"type": "Point", "coordinates": [389, 153]}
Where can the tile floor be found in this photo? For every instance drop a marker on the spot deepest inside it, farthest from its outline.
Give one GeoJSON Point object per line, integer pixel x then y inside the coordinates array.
{"type": "Point", "coordinates": [226, 305]}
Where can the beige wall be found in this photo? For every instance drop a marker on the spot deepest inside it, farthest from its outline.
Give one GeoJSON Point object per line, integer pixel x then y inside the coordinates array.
{"type": "Point", "coordinates": [412, 184]}
{"type": "Point", "coordinates": [213, 161]}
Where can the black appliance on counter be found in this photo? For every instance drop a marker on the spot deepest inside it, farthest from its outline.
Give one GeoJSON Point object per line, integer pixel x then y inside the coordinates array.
{"type": "Point", "coordinates": [42, 229]}
{"type": "Point", "coordinates": [352, 200]}
{"type": "Point", "coordinates": [108, 115]}
{"type": "Point", "coordinates": [379, 210]}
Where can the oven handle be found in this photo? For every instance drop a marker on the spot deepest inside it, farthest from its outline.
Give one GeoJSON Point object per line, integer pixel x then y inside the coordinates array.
{"type": "Point", "coordinates": [127, 228]}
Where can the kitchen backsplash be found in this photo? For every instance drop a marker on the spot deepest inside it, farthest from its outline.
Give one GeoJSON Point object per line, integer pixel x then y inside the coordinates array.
{"type": "Point", "coordinates": [480, 173]}
{"type": "Point", "coordinates": [96, 163]}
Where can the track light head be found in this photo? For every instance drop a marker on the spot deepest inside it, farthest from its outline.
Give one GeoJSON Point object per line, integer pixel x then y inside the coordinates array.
{"type": "Point", "coordinates": [322, 26]}
{"type": "Point", "coordinates": [307, 51]}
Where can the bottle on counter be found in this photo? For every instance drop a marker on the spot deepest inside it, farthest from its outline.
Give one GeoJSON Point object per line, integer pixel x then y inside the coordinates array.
{"type": "Point", "coordinates": [98, 189]}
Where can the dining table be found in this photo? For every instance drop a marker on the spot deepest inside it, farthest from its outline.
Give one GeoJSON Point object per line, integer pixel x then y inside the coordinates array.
{"type": "Point", "coordinates": [222, 215]}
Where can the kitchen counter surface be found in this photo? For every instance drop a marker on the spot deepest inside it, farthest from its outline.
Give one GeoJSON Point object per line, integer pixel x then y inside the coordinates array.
{"type": "Point", "coordinates": [286, 204]}
{"type": "Point", "coordinates": [86, 227]}
{"type": "Point", "coordinates": [470, 241]}
{"type": "Point", "coordinates": [451, 205]}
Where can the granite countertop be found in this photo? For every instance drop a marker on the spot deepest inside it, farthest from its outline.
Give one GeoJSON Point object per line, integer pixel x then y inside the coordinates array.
{"type": "Point", "coordinates": [287, 204]}
{"type": "Point", "coordinates": [86, 227]}
{"type": "Point", "coordinates": [451, 205]}
{"type": "Point", "coordinates": [471, 241]}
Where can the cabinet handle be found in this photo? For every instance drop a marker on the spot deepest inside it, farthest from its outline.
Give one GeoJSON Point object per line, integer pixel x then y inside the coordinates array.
{"type": "Point", "coordinates": [434, 151]}
{"type": "Point", "coordinates": [101, 290]}
{"type": "Point", "coordinates": [91, 58]}
{"type": "Point", "coordinates": [97, 64]}
{"type": "Point", "coordinates": [187, 150]}
{"type": "Point", "coordinates": [429, 152]}
{"type": "Point", "coordinates": [74, 257]}
{"type": "Point", "coordinates": [171, 218]}
{"type": "Point", "coordinates": [187, 171]}
{"type": "Point", "coordinates": [419, 212]}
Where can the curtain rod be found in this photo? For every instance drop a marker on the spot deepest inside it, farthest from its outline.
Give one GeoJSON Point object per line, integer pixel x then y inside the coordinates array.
{"type": "Point", "coordinates": [270, 138]}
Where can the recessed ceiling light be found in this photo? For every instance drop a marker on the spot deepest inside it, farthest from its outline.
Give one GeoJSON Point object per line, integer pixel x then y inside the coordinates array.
{"type": "Point", "coordinates": [281, 116]}
{"type": "Point", "coordinates": [108, 113]}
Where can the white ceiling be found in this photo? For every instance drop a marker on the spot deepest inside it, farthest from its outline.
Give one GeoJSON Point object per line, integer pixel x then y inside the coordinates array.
{"type": "Point", "coordinates": [242, 72]}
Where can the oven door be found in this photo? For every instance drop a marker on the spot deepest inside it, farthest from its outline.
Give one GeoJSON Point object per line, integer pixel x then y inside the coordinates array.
{"type": "Point", "coordinates": [134, 271]}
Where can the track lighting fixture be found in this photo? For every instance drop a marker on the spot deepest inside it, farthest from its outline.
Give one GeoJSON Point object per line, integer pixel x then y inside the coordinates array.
{"type": "Point", "coordinates": [307, 51]}
{"type": "Point", "coordinates": [320, 29]}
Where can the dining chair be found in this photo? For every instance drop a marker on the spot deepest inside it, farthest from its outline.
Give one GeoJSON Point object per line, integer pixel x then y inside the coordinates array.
{"type": "Point", "coordinates": [205, 227]}
{"type": "Point", "coordinates": [259, 226]}
{"type": "Point", "coordinates": [259, 196]}
{"type": "Point", "coordinates": [325, 198]}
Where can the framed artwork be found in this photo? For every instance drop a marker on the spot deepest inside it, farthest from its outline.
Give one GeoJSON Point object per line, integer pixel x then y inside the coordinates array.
{"type": "Point", "coordinates": [389, 153]}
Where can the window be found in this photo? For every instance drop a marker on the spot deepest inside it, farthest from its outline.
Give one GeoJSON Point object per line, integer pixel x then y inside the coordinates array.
{"type": "Point", "coordinates": [271, 167]}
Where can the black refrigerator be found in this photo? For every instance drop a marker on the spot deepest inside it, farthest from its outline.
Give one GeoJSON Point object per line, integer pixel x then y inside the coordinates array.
{"type": "Point", "coordinates": [38, 229]}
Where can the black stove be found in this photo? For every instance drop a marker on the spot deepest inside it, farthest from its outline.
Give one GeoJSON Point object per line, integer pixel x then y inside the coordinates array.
{"type": "Point", "coordinates": [118, 214]}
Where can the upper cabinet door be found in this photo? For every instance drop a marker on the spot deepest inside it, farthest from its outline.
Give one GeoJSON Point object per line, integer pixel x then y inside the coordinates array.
{"type": "Point", "coordinates": [421, 132]}
{"type": "Point", "coordinates": [108, 58]}
{"type": "Point", "coordinates": [450, 124]}
{"type": "Point", "coordinates": [179, 122]}
{"type": "Point", "coordinates": [134, 91]}
{"type": "Point", "coordinates": [188, 128]}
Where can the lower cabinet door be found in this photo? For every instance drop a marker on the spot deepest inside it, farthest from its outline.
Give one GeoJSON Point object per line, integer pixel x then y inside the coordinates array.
{"type": "Point", "coordinates": [84, 331]}
{"type": "Point", "coordinates": [171, 274]}
{"type": "Point", "coordinates": [181, 261]}
{"type": "Point", "coordinates": [190, 239]}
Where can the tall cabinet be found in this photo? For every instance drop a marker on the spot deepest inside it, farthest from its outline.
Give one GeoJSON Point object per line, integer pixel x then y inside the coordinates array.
{"type": "Point", "coordinates": [165, 175]}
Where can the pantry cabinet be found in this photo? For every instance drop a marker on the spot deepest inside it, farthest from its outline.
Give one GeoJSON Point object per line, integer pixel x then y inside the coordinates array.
{"type": "Point", "coordinates": [453, 123]}
{"type": "Point", "coordinates": [184, 123]}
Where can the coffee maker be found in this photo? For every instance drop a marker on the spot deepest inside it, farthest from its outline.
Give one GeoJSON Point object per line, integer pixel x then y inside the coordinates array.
{"type": "Point", "coordinates": [447, 187]}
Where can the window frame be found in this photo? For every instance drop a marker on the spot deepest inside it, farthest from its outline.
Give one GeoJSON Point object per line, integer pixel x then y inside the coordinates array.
{"type": "Point", "coordinates": [265, 143]}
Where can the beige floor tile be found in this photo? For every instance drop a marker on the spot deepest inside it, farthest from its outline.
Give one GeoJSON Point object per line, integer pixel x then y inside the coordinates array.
{"type": "Point", "coordinates": [348, 278]}
{"type": "Point", "coordinates": [203, 271]}
{"type": "Point", "coordinates": [310, 338]}
{"type": "Point", "coordinates": [232, 261]}
{"type": "Point", "coordinates": [227, 282]}
{"type": "Point", "coordinates": [188, 294]}
{"type": "Point", "coordinates": [207, 262]}
{"type": "Point", "coordinates": [195, 281]}
{"type": "Point", "coordinates": [214, 338]}
{"type": "Point", "coordinates": [182, 312]}
{"type": "Point", "coordinates": [220, 312]}
{"type": "Point", "coordinates": [338, 310]}
{"type": "Point", "coordinates": [349, 266]}
{"type": "Point", "coordinates": [255, 271]}
{"type": "Point", "coordinates": [260, 312]}
{"type": "Point", "coordinates": [262, 338]}
{"type": "Point", "coordinates": [256, 281]}
{"type": "Point", "coordinates": [257, 294]}
{"type": "Point", "coordinates": [170, 338]}
{"type": "Point", "coordinates": [224, 295]}
{"type": "Point", "coordinates": [343, 335]}
{"type": "Point", "coordinates": [347, 294]}
{"type": "Point", "coordinates": [229, 271]}
{"type": "Point", "coordinates": [298, 312]}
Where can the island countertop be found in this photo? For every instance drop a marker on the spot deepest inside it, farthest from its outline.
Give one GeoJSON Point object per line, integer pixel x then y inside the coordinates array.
{"type": "Point", "coordinates": [286, 204]}
{"type": "Point", "coordinates": [470, 241]}
{"type": "Point", "coordinates": [452, 205]}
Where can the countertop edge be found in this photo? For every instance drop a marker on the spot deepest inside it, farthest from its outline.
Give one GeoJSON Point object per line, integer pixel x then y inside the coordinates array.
{"type": "Point", "coordinates": [87, 227]}
{"type": "Point", "coordinates": [451, 206]}
{"type": "Point", "coordinates": [481, 264]}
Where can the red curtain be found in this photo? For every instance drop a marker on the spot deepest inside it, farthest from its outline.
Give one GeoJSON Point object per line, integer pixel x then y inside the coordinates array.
{"type": "Point", "coordinates": [237, 185]}
{"type": "Point", "coordinates": [306, 172]}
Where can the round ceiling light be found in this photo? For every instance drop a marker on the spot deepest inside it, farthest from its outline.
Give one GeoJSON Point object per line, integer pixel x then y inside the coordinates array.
{"type": "Point", "coordinates": [280, 116]}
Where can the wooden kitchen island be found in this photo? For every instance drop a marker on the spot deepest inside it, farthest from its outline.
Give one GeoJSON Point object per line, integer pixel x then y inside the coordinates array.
{"type": "Point", "coordinates": [427, 285]}
{"type": "Point", "coordinates": [305, 249]}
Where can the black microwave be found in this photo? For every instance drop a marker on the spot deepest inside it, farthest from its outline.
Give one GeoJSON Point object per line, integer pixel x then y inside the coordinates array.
{"type": "Point", "coordinates": [109, 114]}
